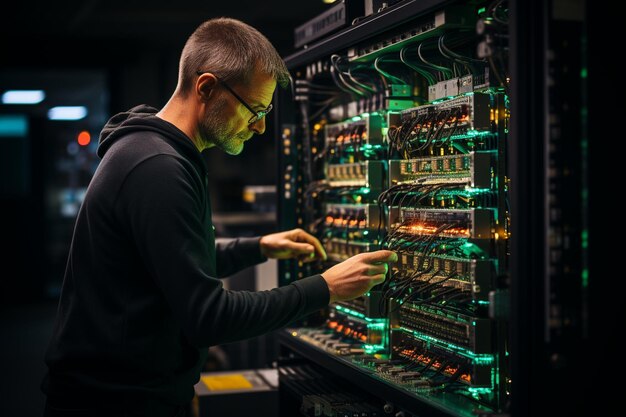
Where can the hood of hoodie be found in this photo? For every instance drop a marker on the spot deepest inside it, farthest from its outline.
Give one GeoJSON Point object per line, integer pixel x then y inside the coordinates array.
{"type": "Point", "coordinates": [143, 118]}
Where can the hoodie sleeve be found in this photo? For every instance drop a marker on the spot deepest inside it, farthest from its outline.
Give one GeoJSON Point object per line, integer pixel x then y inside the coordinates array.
{"type": "Point", "coordinates": [164, 208]}
{"type": "Point", "coordinates": [233, 255]}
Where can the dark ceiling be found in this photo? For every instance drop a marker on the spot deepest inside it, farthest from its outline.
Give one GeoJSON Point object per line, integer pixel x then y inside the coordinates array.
{"type": "Point", "coordinates": [37, 28]}
{"type": "Point", "coordinates": [65, 47]}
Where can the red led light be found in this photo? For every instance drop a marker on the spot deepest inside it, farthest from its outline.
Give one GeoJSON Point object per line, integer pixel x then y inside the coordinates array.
{"type": "Point", "coordinates": [84, 138]}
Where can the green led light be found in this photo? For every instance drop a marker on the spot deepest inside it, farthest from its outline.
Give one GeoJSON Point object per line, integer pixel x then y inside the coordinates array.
{"type": "Point", "coordinates": [356, 118]}
{"type": "Point", "coordinates": [471, 134]}
{"type": "Point", "coordinates": [365, 115]}
{"type": "Point", "coordinates": [370, 349]}
{"type": "Point", "coordinates": [495, 377]}
{"type": "Point", "coordinates": [585, 277]}
{"type": "Point", "coordinates": [583, 72]}
{"type": "Point", "coordinates": [471, 190]}
{"type": "Point", "coordinates": [365, 233]}
{"type": "Point", "coordinates": [479, 390]}
{"type": "Point", "coordinates": [481, 10]}
{"type": "Point", "coordinates": [470, 93]}
{"type": "Point", "coordinates": [365, 190]}
{"type": "Point", "coordinates": [483, 359]}
{"type": "Point", "coordinates": [371, 321]}
{"type": "Point", "coordinates": [351, 312]}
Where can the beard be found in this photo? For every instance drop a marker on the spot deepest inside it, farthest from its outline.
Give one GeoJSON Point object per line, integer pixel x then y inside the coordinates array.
{"type": "Point", "coordinates": [215, 130]}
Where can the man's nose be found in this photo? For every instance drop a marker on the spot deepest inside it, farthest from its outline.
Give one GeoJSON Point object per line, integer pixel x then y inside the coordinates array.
{"type": "Point", "coordinates": [258, 127]}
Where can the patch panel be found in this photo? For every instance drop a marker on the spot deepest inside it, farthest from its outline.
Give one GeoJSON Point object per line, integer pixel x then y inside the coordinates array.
{"type": "Point", "coordinates": [471, 223]}
{"type": "Point", "coordinates": [443, 362]}
{"type": "Point", "coordinates": [472, 169]}
{"type": "Point", "coordinates": [467, 113]}
{"type": "Point", "coordinates": [443, 326]}
{"type": "Point", "coordinates": [352, 216]}
{"type": "Point", "coordinates": [341, 249]}
{"type": "Point", "coordinates": [369, 174]}
{"type": "Point", "coordinates": [468, 275]}
{"type": "Point", "coordinates": [428, 26]}
{"type": "Point", "coordinates": [366, 129]}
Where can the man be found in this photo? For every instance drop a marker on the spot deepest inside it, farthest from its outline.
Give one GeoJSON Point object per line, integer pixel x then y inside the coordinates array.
{"type": "Point", "coordinates": [141, 302]}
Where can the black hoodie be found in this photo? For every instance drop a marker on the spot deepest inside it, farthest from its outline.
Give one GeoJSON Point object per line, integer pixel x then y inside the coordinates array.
{"type": "Point", "coordinates": [140, 302]}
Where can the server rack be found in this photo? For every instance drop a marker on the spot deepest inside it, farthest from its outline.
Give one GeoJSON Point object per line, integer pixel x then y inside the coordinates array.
{"type": "Point", "coordinates": [461, 160]}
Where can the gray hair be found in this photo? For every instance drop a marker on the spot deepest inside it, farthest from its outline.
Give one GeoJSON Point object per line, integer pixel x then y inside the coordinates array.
{"type": "Point", "coordinates": [232, 50]}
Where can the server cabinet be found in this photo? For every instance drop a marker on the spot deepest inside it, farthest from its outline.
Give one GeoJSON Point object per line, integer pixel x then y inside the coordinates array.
{"type": "Point", "coordinates": [445, 131]}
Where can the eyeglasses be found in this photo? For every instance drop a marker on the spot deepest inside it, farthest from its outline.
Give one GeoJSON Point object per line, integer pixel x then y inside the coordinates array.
{"type": "Point", "coordinates": [258, 115]}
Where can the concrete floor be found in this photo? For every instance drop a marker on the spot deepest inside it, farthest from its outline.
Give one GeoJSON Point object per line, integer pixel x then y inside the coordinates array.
{"type": "Point", "coordinates": [24, 334]}
{"type": "Point", "coordinates": [25, 331]}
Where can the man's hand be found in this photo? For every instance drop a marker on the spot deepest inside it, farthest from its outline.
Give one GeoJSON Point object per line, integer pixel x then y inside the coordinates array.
{"type": "Point", "coordinates": [357, 275]}
{"type": "Point", "coordinates": [294, 243]}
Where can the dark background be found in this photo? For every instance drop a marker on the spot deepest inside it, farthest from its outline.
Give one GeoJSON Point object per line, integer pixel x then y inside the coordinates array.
{"type": "Point", "coordinates": [108, 56]}
{"type": "Point", "coordinates": [112, 55]}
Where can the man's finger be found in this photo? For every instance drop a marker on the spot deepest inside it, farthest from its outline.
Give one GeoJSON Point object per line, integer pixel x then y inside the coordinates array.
{"type": "Point", "coordinates": [301, 248]}
{"type": "Point", "coordinates": [308, 257]}
{"type": "Point", "coordinates": [378, 269]}
{"type": "Point", "coordinates": [381, 256]}
{"type": "Point", "coordinates": [378, 279]}
{"type": "Point", "coordinates": [319, 249]}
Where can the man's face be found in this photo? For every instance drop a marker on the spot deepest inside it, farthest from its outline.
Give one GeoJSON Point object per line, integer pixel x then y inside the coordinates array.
{"type": "Point", "coordinates": [225, 124]}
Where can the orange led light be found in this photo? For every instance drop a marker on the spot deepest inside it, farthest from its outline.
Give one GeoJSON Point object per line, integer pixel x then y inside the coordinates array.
{"type": "Point", "coordinates": [84, 138]}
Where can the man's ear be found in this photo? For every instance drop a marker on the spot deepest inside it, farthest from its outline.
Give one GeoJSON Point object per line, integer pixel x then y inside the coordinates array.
{"type": "Point", "coordinates": [205, 85]}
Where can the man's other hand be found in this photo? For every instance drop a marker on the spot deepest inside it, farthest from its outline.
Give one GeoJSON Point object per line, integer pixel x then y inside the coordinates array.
{"type": "Point", "coordinates": [294, 243]}
{"type": "Point", "coordinates": [357, 275]}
